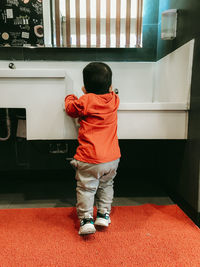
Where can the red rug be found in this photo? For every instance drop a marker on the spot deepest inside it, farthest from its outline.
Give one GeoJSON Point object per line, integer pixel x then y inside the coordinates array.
{"type": "Point", "coordinates": [144, 236]}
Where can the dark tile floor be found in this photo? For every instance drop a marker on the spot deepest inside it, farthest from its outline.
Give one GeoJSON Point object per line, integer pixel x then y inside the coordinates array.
{"type": "Point", "coordinates": [31, 191]}
{"type": "Point", "coordinates": [17, 201]}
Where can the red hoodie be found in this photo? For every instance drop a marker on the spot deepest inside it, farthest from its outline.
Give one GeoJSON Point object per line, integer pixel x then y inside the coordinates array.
{"type": "Point", "coordinates": [97, 137]}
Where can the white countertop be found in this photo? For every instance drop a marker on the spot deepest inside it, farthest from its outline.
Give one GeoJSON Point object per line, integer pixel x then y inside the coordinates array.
{"type": "Point", "coordinates": [154, 106]}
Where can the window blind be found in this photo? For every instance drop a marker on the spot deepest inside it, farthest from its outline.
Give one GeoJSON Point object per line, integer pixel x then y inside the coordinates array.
{"type": "Point", "coordinates": [98, 23]}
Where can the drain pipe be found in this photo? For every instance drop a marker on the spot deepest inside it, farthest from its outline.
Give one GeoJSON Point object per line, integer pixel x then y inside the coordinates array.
{"type": "Point", "coordinates": [8, 127]}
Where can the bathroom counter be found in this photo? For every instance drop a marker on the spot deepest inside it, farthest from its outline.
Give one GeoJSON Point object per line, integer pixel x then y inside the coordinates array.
{"type": "Point", "coordinates": [154, 106]}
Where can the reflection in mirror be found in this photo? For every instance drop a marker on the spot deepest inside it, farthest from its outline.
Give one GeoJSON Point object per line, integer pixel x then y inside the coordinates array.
{"type": "Point", "coordinates": [21, 23]}
{"type": "Point", "coordinates": [93, 23]}
{"type": "Point", "coordinates": [71, 23]}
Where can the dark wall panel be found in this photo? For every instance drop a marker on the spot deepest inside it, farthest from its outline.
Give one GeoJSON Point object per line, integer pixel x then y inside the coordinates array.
{"type": "Point", "coordinates": [141, 171]}
{"type": "Point", "coordinates": [185, 183]}
{"type": "Point", "coordinates": [193, 155]}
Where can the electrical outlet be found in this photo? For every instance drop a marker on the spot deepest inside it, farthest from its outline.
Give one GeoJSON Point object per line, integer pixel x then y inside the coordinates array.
{"type": "Point", "coordinates": [58, 148]}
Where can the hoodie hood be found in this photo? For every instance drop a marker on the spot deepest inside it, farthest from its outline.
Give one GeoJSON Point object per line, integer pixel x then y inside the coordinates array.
{"type": "Point", "coordinates": [101, 104]}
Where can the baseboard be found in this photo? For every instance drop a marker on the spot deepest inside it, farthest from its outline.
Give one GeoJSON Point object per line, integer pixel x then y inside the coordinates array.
{"type": "Point", "coordinates": [190, 211]}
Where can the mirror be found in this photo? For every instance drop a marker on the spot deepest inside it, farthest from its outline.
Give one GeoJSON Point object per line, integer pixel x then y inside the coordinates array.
{"type": "Point", "coordinates": [71, 23]}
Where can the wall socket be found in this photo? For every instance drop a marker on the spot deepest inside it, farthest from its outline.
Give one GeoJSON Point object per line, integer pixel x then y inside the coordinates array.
{"type": "Point", "coordinates": [58, 148]}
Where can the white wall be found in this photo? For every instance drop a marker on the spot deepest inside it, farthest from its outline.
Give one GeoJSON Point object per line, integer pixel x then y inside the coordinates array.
{"type": "Point", "coordinates": [173, 75]}
{"type": "Point", "coordinates": [154, 96]}
{"type": "Point", "coordinates": [127, 77]}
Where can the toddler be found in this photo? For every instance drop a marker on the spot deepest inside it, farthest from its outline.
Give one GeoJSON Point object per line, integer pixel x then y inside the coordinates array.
{"type": "Point", "coordinates": [97, 156]}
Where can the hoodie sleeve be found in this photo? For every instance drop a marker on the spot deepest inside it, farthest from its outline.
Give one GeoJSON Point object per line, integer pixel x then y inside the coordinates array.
{"type": "Point", "coordinates": [74, 107]}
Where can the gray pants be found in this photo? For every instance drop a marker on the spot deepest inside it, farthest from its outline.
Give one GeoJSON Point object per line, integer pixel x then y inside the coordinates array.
{"type": "Point", "coordinates": [94, 179]}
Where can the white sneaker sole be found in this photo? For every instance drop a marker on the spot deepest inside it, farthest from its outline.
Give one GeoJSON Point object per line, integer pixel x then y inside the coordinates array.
{"type": "Point", "coordinates": [102, 222]}
{"type": "Point", "coordinates": [87, 229]}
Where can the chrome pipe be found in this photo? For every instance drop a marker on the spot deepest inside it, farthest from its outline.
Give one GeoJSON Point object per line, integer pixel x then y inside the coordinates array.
{"type": "Point", "coordinates": [8, 124]}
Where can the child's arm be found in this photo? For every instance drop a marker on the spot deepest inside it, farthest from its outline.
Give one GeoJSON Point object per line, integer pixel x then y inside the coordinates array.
{"type": "Point", "coordinates": [73, 106]}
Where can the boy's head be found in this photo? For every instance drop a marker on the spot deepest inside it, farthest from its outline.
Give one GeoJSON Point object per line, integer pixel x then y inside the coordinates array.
{"type": "Point", "coordinates": [97, 78]}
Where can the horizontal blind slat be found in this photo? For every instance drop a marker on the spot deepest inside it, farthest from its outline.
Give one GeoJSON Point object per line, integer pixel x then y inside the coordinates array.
{"type": "Point", "coordinates": [108, 23]}
{"type": "Point", "coordinates": [57, 14]}
{"type": "Point", "coordinates": [88, 24]}
{"type": "Point", "coordinates": [78, 43]}
{"type": "Point", "coordinates": [139, 23]}
{"type": "Point", "coordinates": [98, 6]}
{"type": "Point", "coordinates": [118, 12]}
{"type": "Point", "coordinates": [68, 33]}
{"type": "Point", "coordinates": [128, 22]}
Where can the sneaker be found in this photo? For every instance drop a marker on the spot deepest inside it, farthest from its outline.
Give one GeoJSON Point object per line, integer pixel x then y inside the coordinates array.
{"type": "Point", "coordinates": [87, 226]}
{"type": "Point", "coordinates": [102, 219]}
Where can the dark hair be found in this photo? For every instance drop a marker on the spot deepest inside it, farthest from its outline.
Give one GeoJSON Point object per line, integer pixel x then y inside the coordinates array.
{"type": "Point", "coordinates": [97, 78]}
